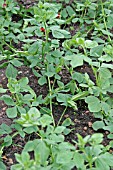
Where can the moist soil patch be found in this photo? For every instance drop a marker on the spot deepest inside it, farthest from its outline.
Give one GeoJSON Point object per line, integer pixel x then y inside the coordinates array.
{"type": "Point", "coordinates": [82, 119]}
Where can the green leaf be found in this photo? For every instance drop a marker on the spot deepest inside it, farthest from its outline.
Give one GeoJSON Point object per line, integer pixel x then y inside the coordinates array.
{"type": "Point", "coordinates": [79, 160]}
{"type": "Point", "coordinates": [3, 65]}
{"type": "Point", "coordinates": [41, 152]}
{"type": "Point", "coordinates": [107, 33]}
{"type": "Point", "coordinates": [34, 112]}
{"type": "Point", "coordinates": [25, 158]}
{"type": "Point", "coordinates": [33, 48]}
{"type": "Point", "coordinates": [12, 112]}
{"type": "Point", "coordinates": [60, 84]}
{"type": "Point", "coordinates": [2, 90]}
{"type": "Point", "coordinates": [58, 33]}
{"type": "Point", "coordinates": [70, 10]}
{"type": "Point", "coordinates": [107, 158]}
{"type": "Point", "coordinates": [109, 128]}
{"type": "Point", "coordinates": [23, 81]}
{"type": "Point", "coordinates": [29, 146]}
{"type": "Point", "coordinates": [63, 98]}
{"type": "Point", "coordinates": [104, 75]}
{"type": "Point", "coordinates": [30, 119]}
{"type": "Point", "coordinates": [80, 41]}
{"type": "Point", "coordinates": [96, 138]}
{"type": "Point", "coordinates": [66, 146]}
{"type": "Point", "coordinates": [16, 62]}
{"type": "Point", "coordinates": [105, 107]}
{"type": "Point", "coordinates": [7, 129]}
{"type": "Point", "coordinates": [30, 29]}
{"type": "Point", "coordinates": [103, 163]}
{"type": "Point", "coordinates": [49, 74]}
{"type": "Point", "coordinates": [59, 129]}
{"type": "Point", "coordinates": [94, 104]}
{"type": "Point", "coordinates": [64, 157]}
{"type": "Point", "coordinates": [57, 138]}
{"type": "Point", "coordinates": [76, 60]}
{"type": "Point", "coordinates": [72, 104]}
{"type": "Point", "coordinates": [98, 125]}
{"type": "Point", "coordinates": [21, 36]}
{"type": "Point", "coordinates": [78, 77]}
{"type": "Point", "coordinates": [42, 80]}
{"type": "Point", "coordinates": [2, 166]}
{"type": "Point", "coordinates": [30, 130]}
{"type": "Point", "coordinates": [111, 143]}
{"type": "Point", "coordinates": [107, 65]}
{"type": "Point", "coordinates": [110, 89]}
{"type": "Point", "coordinates": [110, 21]}
{"type": "Point", "coordinates": [110, 136]}
{"type": "Point", "coordinates": [46, 120]}
{"type": "Point", "coordinates": [90, 44]}
{"type": "Point", "coordinates": [7, 140]}
{"type": "Point", "coordinates": [21, 110]}
{"type": "Point", "coordinates": [8, 100]}
{"type": "Point", "coordinates": [1, 3]}
{"type": "Point", "coordinates": [67, 122]}
{"type": "Point", "coordinates": [97, 51]}
{"type": "Point", "coordinates": [11, 71]}
{"type": "Point", "coordinates": [80, 95]}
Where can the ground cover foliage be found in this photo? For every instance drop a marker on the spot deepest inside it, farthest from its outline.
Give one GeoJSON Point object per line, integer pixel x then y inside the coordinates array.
{"type": "Point", "coordinates": [58, 41]}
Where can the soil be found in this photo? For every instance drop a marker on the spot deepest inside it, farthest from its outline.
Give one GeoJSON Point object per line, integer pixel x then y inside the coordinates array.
{"type": "Point", "coordinates": [82, 119]}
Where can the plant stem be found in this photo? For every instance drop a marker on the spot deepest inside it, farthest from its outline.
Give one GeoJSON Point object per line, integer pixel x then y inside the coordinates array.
{"type": "Point", "coordinates": [62, 116]}
{"type": "Point", "coordinates": [24, 52]}
{"type": "Point", "coordinates": [104, 15]}
{"type": "Point", "coordinates": [50, 92]}
{"type": "Point", "coordinates": [44, 109]}
{"type": "Point", "coordinates": [46, 31]}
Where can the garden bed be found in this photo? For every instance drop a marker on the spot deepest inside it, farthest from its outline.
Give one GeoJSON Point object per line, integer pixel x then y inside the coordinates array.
{"type": "Point", "coordinates": [56, 85]}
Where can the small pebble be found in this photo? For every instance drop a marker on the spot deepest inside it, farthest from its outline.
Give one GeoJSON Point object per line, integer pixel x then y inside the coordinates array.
{"type": "Point", "coordinates": [51, 82]}
{"type": "Point", "coordinates": [90, 124]}
{"type": "Point", "coordinates": [10, 161]}
{"type": "Point", "coordinates": [66, 115]}
{"type": "Point", "coordinates": [85, 128]}
{"type": "Point", "coordinates": [77, 121]}
{"type": "Point", "coordinates": [4, 109]}
{"type": "Point", "coordinates": [106, 132]}
{"type": "Point", "coordinates": [110, 151]}
{"type": "Point", "coordinates": [87, 111]}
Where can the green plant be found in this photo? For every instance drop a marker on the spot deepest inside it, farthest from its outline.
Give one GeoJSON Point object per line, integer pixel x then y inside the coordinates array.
{"type": "Point", "coordinates": [68, 48]}
{"type": "Point", "coordinates": [58, 154]}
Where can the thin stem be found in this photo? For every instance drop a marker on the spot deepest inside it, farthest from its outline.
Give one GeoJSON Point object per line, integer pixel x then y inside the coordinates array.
{"type": "Point", "coordinates": [15, 134]}
{"type": "Point", "coordinates": [39, 135]}
{"type": "Point", "coordinates": [46, 31]}
{"type": "Point", "coordinates": [97, 81]}
{"type": "Point", "coordinates": [10, 47]}
{"type": "Point", "coordinates": [50, 92]}
{"type": "Point", "coordinates": [84, 50]}
{"type": "Point", "coordinates": [44, 109]}
{"type": "Point", "coordinates": [104, 15]}
{"type": "Point", "coordinates": [24, 52]}
{"type": "Point", "coordinates": [53, 83]}
{"type": "Point", "coordinates": [62, 116]}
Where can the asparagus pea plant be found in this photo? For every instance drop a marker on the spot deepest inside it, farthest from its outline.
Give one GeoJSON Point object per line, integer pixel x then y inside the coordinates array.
{"type": "Point", "coordinates": [53, 39]}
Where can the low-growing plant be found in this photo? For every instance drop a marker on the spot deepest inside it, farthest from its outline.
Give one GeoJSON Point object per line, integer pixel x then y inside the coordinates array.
{"type": "Point", "coordinates": [51, 152]}
{"type": "Point", "coordinates": [52, 40]}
